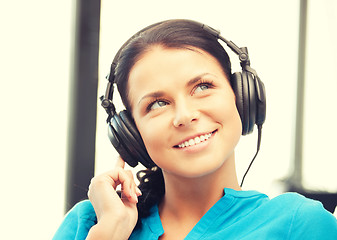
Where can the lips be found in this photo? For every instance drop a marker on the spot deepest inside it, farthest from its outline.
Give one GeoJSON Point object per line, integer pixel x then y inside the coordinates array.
{"type": "Point", "coordinates": [195, 140]}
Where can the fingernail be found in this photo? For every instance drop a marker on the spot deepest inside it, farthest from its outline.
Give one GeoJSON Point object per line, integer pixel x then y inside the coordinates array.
{"type": "Point", "coordinates": [135, 197]}
{"type": "Point", "coordinates": [139, 193]}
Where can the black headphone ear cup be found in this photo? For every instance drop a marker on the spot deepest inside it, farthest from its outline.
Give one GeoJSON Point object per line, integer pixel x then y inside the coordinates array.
{"type": "Point", "coordinates": [251, 97]}
{"type": "Point", "coordinates": [119, 146]}
{"type": "Point", "coordinates": [261, 103]}
{"type": "Point", "coordinates": [135, 139]}
{"type": "Point", "coordinates": [240, 92]}
{"type": "Point", "coordinates": [131, 126]}
{"type": "Point", "coordinates": [130, 146]}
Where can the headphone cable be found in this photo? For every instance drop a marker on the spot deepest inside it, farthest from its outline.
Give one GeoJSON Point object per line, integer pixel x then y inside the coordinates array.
{"type": "Point", "coordinates": [259, 127]}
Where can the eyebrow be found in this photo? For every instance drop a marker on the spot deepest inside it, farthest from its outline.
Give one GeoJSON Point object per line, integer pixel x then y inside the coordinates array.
{"type": "Point", "coordinates": [196, 79]}
{"type": "Point", "coordinates": [159, 94]}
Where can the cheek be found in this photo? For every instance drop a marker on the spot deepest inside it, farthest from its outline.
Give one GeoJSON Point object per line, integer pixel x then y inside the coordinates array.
{"type": "Point", "coordinates": [152, 136]}
{"type": "Point", "coordinates": [226, 113]}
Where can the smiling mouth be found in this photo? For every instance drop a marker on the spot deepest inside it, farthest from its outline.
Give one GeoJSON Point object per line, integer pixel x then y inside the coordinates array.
{"type": "Point", "coordinates": [196, 140]}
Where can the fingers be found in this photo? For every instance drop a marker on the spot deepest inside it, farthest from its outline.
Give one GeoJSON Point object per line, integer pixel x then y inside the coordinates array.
{"type": "Point", "coordinates": [128, 186]}
{"type": "Point", "coordinates": [125, 178]}
{"type": "Point", "coordinates": [109, 181]}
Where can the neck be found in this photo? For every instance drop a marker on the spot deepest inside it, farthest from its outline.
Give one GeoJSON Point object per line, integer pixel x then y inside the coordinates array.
{"type": "Point", "coordinates": [196, 196]}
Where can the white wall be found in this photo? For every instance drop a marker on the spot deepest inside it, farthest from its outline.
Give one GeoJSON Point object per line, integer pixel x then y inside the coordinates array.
{"type": "Point", "coordinates": [35, 48]}
{"type": "Point", "coordinates": [320, 129]}
{"type": "Point", "coordinates": [35, 54]}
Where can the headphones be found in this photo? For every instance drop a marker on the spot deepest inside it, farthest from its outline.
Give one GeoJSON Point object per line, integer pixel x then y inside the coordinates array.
{"type": "Point", "coordinates": [249, 91]}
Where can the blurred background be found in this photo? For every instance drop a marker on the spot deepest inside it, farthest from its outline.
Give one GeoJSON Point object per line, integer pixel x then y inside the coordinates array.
{"type": "Point", "coordinates": [55, 56]}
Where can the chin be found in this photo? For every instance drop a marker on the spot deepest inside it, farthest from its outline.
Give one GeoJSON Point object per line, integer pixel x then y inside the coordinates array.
{"type": "Point", "coordinates": [195, 170]}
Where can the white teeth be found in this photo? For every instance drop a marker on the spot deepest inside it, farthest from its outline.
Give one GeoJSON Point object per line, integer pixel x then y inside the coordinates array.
{"type": "Point", "coordinates": [195, 140]}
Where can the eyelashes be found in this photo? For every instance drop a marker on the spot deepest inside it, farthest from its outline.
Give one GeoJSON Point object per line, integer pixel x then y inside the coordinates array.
{"type": "Point", "coordinates": [156, 103]}
{"type": "Point", "coordinates": [203, 85]}
{"type": "Point", "coordinates": [199, 88]}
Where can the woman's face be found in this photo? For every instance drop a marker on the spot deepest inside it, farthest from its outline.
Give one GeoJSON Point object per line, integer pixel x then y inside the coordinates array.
{"type": "Point", "coordinates": [184, 109]}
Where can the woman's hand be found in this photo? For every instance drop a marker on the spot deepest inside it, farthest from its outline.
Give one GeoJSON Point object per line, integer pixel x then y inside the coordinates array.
{"type": "Point", "coordinates": [116, 216]}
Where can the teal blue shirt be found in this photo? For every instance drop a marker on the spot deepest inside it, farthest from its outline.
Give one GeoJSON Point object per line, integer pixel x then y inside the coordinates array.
{"type": "Point", "coordinates": [237, 215]}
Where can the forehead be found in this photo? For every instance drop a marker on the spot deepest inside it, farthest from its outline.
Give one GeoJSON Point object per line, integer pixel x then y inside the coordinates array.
{"type": "Point", "coordinates": [162, 68]}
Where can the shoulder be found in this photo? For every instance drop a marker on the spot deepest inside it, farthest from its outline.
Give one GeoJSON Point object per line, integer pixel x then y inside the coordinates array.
{"type": "Point", "coordinates": [309, 219]}
{"type": "Point", "coordinates": [83, 209]}
{"type": "Point", "coordinates": [77, 222]}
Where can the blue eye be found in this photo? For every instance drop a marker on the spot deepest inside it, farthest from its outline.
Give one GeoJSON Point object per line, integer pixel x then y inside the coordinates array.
{"type": "Point", "coordinates": [156, 104]}
{"type": "Point", "coordinates": [203, 86]}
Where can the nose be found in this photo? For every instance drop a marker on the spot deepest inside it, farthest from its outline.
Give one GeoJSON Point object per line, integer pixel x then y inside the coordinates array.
{"type": "Point", "coordinates": [185, 114]}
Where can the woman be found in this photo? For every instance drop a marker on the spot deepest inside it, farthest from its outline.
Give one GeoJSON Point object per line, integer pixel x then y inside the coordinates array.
{"type": "Point", "coordinates": [175, 81]}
